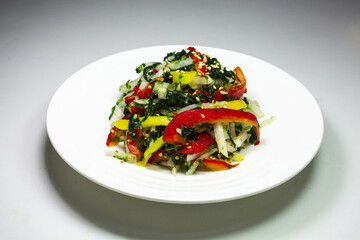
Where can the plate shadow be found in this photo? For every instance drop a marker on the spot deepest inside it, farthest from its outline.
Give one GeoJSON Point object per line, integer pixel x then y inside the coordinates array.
{"type": "Point", "coordinates": [137, 218]}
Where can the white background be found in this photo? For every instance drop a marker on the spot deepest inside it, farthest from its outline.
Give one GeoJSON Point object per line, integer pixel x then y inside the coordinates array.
{"type": "Point", "coordinates": [43, 42]}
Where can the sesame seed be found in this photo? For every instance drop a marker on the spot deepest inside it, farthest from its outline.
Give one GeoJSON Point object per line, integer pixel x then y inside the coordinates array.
{"type": "Point", "coordinates": [178, 130]}
{"type": "Point", "coordinates": [135, 116]}
{"type": "Point", "coordinates": [170, 76]}
{"type": "Point", "coordinates": [197, 99]}
{"type": "Point", "coordinates": [220, 88]}
{"type": "Point", "coordinates": [202, 115]}
{"type": "Point", "coordinates": [214, 87]}
{"type": "Point", "coordinates": [149, 87]}
{"type": "Point", "coordinates": [188, 147]}
{"type": "Point", "coordinates": [222, 71]}
{"type": "Point", "coordinates": [177, 158]}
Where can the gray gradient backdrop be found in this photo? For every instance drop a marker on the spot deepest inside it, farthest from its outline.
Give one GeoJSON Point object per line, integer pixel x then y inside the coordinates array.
{"type": "Point", "coordinates": [43, 42]}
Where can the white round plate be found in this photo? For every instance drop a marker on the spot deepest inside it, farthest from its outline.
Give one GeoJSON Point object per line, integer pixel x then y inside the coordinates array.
{"type": "Point", "coordinates": [77, 125]}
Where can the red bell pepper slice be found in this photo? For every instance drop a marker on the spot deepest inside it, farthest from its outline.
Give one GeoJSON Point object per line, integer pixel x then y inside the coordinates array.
{"type": "Point", "coordinates": [114, 137]}
{"type": "Point", "coordinates": [137, 110]}
{"type": "Point", "coordinates": [215, 165]}
{"type": "Point", "coordinates": [158, 157]}
{"type": "Point", "coordinates": [205, 138]}
{"type": "Point", "coordinates": [192, 117]}
{"type": "Point", "coordinates": [144, 93]}
{"type": "Point", "coordinates": [192, 146]}
{"type": "Point", "coordinates": [234, 91]}
{"type": "Point", "coordinates": [136, 89]}
{"type": "Point", "coordinates": [200, 143]}
{"type": "Point", "coordinates": [129, 99]}
{"type": "Point", "coordinates": [132, 145]}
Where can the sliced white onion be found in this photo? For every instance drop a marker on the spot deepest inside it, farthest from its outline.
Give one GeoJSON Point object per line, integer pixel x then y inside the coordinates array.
{"type": "Point", "coordinates": [201, 155]}
{"type": "Point", "coordinates": [192, 106]}
{"type": "Point", "coordinates": [267, 122]}
{"type": "Point", "coordinates": [160, 70]}
{"type": "Point", "coordinates": [239, 140]}
{"type": "Point", "coordinates": [118, 114]}
{"type": "Point", "coordinates": [192, 168]}
{"type": "Point", "coordinates": [220, 138]}
{"type": "Point", "coordinates": [164, 113]}
{"type": "Point", "coordinates": [180, 64]}
{"type": "Point", "coordinates": [143, 83]}
{"type": "Point", "coordinates": [132, 84]}
{"type": "Point", "coordinates": [142, 101]}
{"type": "Point", "coordinates": [255, 108]}
{"type": "Point", "coordinates": [232, 131]}
{"type": "Point", "coordinates": [131, 158]}
{"type": "Point", "coordinates": [202, 80]}
{"type": "Point", "coordinates": [230, 147]}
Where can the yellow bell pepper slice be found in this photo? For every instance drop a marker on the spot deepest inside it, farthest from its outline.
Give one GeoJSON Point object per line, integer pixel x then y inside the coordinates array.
{"type": "Point", "coordinates": [235, 104]}
{"type": "Point", "coordinates": [153, 148]}
{"type": "Point", "coordinates": [156, 121]}
{"type": "Point", "coordinates": [123, 124]}
{"type": "Point", "coordinates": [183, 77]}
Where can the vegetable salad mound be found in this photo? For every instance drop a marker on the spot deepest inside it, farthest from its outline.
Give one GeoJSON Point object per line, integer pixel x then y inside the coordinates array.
{"type": "Point", "coordinates": [187, 112]}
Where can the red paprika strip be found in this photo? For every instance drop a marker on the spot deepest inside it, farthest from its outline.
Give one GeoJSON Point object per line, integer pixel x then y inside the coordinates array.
{"type": "Point", "coordinates": [192, 117]}
{"type": "Point", "coordinates": [215, 165]}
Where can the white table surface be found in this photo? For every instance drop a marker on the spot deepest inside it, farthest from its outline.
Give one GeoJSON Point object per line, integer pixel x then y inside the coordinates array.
{"type": "Point", "coordinates": [43, 42]}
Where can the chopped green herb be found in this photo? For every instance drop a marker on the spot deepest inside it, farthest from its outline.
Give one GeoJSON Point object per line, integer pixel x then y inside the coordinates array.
{"type": "Point", "coordinates": [140, 68]}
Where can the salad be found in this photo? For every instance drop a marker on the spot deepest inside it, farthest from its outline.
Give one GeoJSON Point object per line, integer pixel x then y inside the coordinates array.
{"type": "Point", "coordinates": [188, 113]}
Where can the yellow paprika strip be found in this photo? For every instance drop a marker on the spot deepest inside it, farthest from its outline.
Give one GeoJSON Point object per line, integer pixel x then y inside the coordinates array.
{"type": "Point", "coordinates": [123, 124]}
{"type": "Point", "coordinates": [235, 104]}
{"type": "Point", "coordinates": [156, 121]}
{"type": "Point", "coordinates": [183, 77]}
{"type": "Point", "coordinates": [153, 148]}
